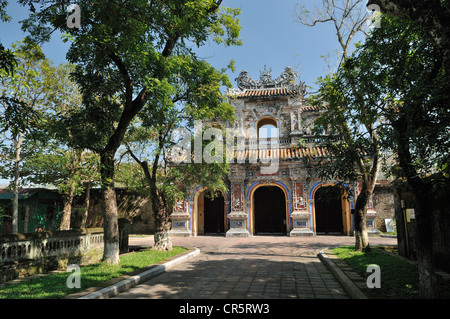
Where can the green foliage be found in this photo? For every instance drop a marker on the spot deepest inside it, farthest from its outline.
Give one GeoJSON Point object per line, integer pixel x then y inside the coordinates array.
{"type": "Point", "coordinates": [57, 161]}
{"type": "Point", "coordinates": [403, 78]}
{"type": "Point", "coordinates": [131, 61]}
{"type": "Point", "coordinates": [350, 122]}
{"type": "Point", "coordinates": [2, 216]}
{"type": "Point", "coordinates": [395, 74]}
{"type": "Point", "coordinates": [173, 180]}
{"type": "Point", "coordinates": [133, 50]}
{"type": "Point", "coordinates": [39, 99]}
{"type": "Point", "coordinates": [24, 97]}
{"type": "Point", "coordinates": [22, 92]}
{"type": "Point", "coordinates": [7, 59]}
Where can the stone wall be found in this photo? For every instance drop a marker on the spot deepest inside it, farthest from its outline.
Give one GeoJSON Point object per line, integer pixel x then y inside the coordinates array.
{"type": "Point", "coordinates": [133, 207]}
{"type": "Point", "coordinates": [383, 203]}
{"type": "Point", "coordinates": [27, 254]}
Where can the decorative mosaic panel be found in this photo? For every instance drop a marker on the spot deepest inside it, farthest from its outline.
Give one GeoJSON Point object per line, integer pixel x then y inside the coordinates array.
{"type": "Point", "coordinates": [300, 223]}
{"type": "Point", "coordinates": [179, 224]}
{"type": "Point", "coordinates": [299, 197]}
{"type": "Point", "coordinates": [237, 224]}
{"type": "Point", "coordinates": [237, 198]}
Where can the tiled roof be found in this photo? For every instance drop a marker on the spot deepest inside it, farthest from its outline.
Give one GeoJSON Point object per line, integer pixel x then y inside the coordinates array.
{"type": "Point", "coordinates": [279, 153]}
{"type": "Point", "coordinates": [312, 108]}
{"type": "Point", "coordinates": [264, 93]}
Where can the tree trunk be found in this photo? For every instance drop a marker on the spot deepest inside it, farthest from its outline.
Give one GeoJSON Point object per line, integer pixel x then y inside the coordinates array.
{"type": "Point", "coordinates": [15, 217]}
{"type": "Point", "coordinates": [87, 203]}
{"type": "Point", "coordinates": [162, 225]}
{"type": "Point", "coordinates": [360, 212]}
{"type": "Point", "coordinates": [159, 205]}
{"type": "Point", "coordinates": [110, 212]}
{"type": "Point", "coordinates": [160, 211]}
{"type": "Point", "coordinates": [424, 249]}
{"type": "Point", "coordinates": [67, 210]}
{"type": "Point", "coordinates": [423, 240]}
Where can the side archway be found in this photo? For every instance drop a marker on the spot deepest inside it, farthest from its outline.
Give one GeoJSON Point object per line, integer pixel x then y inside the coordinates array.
{"type": "Point", "coordinates": [208, 215]}
{"type": "Point", "coordinates": [329, 215]}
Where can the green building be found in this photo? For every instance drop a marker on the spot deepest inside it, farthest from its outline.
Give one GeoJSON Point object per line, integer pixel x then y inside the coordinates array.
{"type": "Point", "coordinates": [39, 209]}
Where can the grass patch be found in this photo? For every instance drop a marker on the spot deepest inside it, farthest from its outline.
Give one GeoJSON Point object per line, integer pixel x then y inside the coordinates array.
{"type": "Point", "coordinates": [393, 233]}
{"type": "Point", "coordinates": [55, 285]}
{"type": "Point", "coordinates": [399, 278]}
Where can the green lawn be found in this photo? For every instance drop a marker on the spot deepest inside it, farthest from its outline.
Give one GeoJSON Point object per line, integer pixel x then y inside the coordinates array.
{"type": "Point", "coordinates": [55, 285]}
{"type": "Point", "coordinates": [399, 278]}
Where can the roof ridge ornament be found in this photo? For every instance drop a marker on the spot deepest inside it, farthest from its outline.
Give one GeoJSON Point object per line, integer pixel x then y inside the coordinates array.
{"type": "Point", "coordinates": [286, 80]}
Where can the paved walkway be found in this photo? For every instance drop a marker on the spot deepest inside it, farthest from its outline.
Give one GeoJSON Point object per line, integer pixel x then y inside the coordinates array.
{"type": "Point", "coordinates": [258, 267]}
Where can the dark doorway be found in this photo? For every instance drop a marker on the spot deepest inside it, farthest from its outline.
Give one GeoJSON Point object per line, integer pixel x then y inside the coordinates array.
{"type": "Point", "coordinates": [328, 208]}
{"type": "Point", "coordinates": [214, 214]}
{"type": "Point", "coordinates": [269, 210]}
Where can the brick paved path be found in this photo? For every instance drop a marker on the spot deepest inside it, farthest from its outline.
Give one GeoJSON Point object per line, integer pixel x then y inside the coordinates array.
{"type": "Point", "coordinates": [245, 268]}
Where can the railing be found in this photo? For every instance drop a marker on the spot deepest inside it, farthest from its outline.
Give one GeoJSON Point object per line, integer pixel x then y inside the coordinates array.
{"type": "Point", "coordinates": [269, 141]}
{"type": "Point", "coordinates": [35, 246]}
{"type": "Point", "coordinates": [287, 141]}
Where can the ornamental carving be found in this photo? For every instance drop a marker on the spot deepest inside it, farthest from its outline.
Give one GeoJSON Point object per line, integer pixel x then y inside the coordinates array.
{"type": "Point", "coordinates": [286, 80]}
{"type": "Point", "coordinates": [237, 198]}
{"type": "Point", "coordinates": [299, 197]}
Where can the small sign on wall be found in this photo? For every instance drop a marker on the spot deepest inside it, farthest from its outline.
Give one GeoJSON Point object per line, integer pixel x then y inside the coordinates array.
{"type": "Point", "coordinates": [410, 214]}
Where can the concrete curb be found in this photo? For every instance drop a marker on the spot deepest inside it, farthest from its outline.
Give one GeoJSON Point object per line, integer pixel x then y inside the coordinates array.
{"type": "Point", "coordinates": [349, 286]}
{"type": "Point", "coordinates": [128, 283]}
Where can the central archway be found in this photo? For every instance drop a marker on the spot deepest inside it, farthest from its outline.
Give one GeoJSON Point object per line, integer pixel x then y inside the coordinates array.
{"type": "Point", "coordinates": [269, 209]}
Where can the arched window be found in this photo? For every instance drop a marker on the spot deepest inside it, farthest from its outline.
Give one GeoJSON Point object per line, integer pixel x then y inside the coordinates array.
{"type": "Point", "coordinates": [267, 128]}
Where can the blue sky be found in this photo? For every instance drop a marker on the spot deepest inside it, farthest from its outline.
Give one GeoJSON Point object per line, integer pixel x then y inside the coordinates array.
{"type": "Point", "coordinates": [271, 36]}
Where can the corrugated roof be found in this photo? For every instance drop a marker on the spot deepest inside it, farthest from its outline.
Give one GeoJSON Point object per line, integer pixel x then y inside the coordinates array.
{"type": "Point", "coordinates": [23, 194]}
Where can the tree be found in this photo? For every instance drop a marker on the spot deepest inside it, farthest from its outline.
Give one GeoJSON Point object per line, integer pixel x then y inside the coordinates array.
{"type": "Point", "coordinates": [431, 15]}
{"type": "Point", "coordinates": [348, 17]}
{"type": "Point", "coordinates": [7, 59]}
{"type": "Point", "coordinates": [194, 94]}
{"type": "Point", "coordinates": [403, 76]}
{"type": "Point", "coordinates": [66, 168]}
{"type": "Point", "coordinates": [357, 156]}
{"type": "Point", "coordinates": [121, 53]}
{"type": "Point", "coordinates": [56, 160]}
{"type": "Point", "coordinates": [24, 95]}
